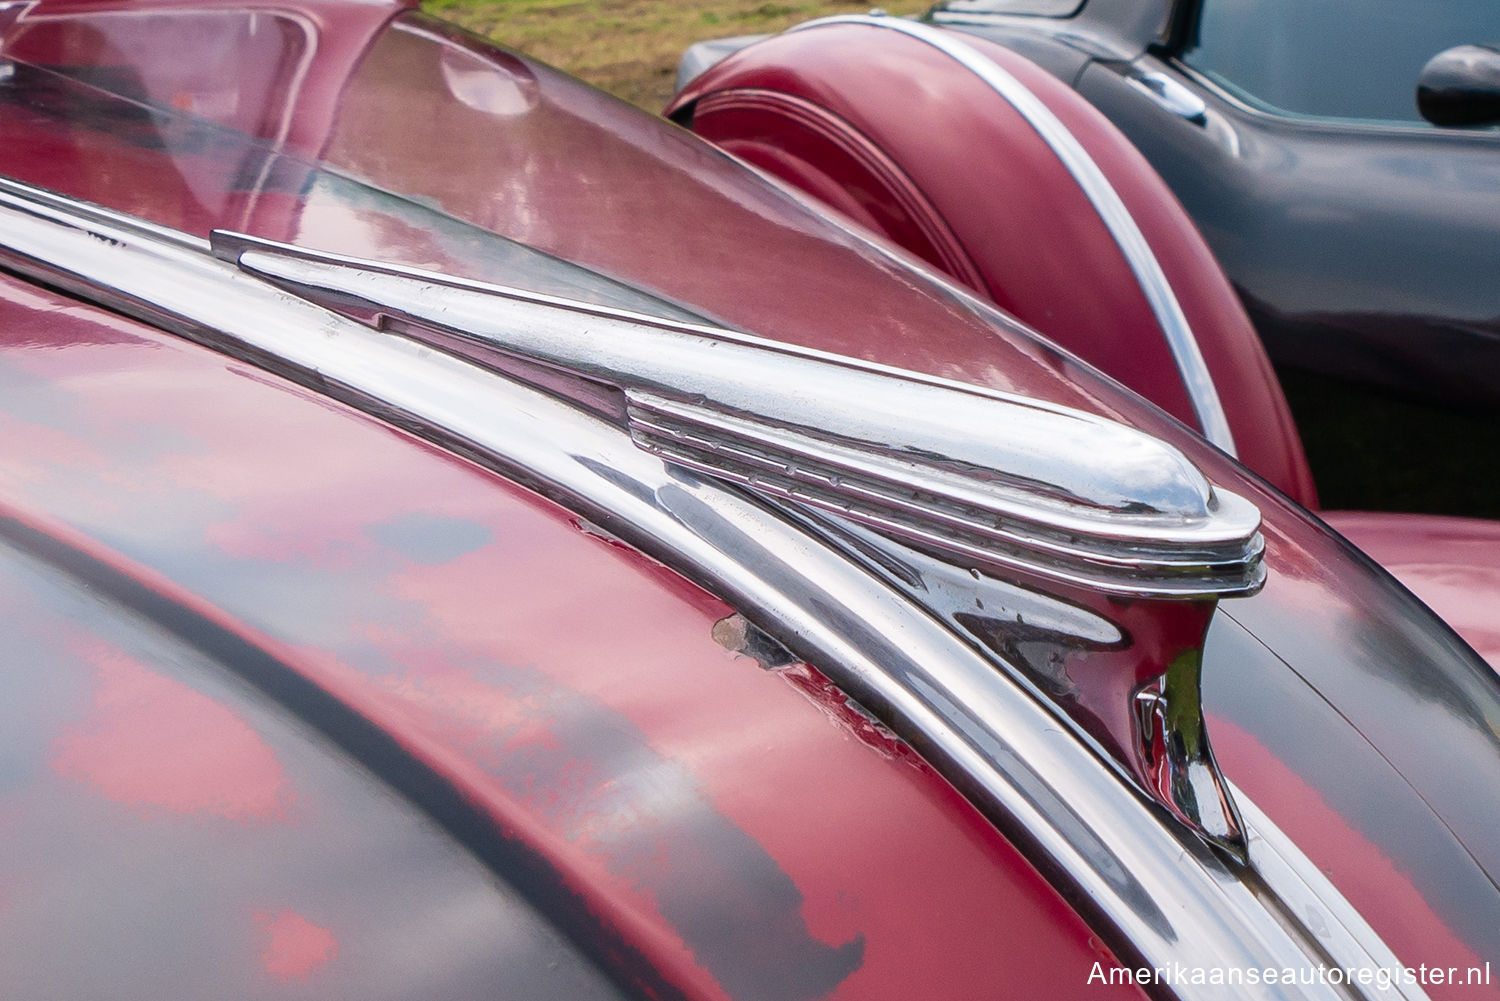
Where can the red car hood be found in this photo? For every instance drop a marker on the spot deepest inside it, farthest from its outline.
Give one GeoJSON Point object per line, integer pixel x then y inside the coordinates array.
{"type": "Point", "coordinates": [569, 692]}
{"type": "Point", "coordinates": [202, 568]}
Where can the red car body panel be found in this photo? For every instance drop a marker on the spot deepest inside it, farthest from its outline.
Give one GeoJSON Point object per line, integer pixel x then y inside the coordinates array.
{"type": "Point", "coordinates": [1015, 225]}
{"type": "Point", "coordinates": [1453, 564]}
{"type": "Point", "coordinates": [566, 689]}
{"type": "Point", "coordinates": [721, 830]}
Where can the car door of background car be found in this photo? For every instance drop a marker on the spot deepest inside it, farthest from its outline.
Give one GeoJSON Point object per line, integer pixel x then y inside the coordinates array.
{"type": "Point", "coordinates": [1362, 239]}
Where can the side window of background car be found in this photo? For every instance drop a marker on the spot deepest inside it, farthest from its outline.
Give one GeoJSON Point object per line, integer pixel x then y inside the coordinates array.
{"type": "Point", "coordinates": [1349, 59]}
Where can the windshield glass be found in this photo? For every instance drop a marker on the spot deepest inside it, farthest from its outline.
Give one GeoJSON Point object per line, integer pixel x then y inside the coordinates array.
{"type": "Point", "coordinates": [1351, 59]}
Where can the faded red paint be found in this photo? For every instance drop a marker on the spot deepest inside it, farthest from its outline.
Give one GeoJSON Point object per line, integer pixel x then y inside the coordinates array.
{"type": "Point", "coordinates": [150, 741]}
{"type": "Point", "coordinates": [294, 948]}
{"type": "Point", "coordinates": [897, 866]}
{"type": "Point", "coordinates": [469, 710]}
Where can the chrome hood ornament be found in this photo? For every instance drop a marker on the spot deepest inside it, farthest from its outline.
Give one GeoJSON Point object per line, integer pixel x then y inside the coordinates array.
{"type": "Point", "coordinates": [981, 477]}
{"type": "Point", "coordinates": [1072, 507]}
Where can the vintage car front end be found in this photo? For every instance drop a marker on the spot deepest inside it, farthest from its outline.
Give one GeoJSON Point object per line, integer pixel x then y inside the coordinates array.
{"type": "Point", "coordinates": [512, 548]}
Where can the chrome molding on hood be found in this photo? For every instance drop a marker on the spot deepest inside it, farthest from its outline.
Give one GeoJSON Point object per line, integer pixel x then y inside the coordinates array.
{"type": "Point", "coordinates": [1159, 895]}
{"type": "Point", "coordinates": [978, 476]}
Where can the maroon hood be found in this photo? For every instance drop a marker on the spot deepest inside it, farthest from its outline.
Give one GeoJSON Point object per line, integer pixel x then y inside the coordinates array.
{"type": "Point", "coordinates": [170, 514]}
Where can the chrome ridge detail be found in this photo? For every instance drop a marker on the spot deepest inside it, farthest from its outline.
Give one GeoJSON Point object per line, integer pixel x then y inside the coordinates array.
{"type": "Point", "coordinates": [984, 478]}
{"type": "Point", "coordinates": [1159, 895]}
{"type": "Point", "coordinates": [1101, 194]}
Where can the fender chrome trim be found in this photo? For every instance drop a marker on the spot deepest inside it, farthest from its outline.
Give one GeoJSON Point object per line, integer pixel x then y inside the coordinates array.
{"type": "Point", "coordinates": [1101, 194]}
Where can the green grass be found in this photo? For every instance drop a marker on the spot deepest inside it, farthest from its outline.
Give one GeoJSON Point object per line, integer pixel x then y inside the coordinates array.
{"type": "Point", "coordinates": [630, 47]}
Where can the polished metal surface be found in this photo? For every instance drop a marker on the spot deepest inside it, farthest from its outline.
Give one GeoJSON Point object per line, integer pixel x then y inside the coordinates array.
{"type": "Point", "coordinates": [1349, 940]}
{"type": "Point", "coordinates": [1101, 194]}
{"type": "Point", "coordinates": [985, 478]}
{"type": "Point", "coordinates": [1177, 763]}
{"type": "Point", "coordinates": [1012, 8]}
{"type": "Point", "coordinates": [1171, 95]}
{"type": "Point", "coordinates": [1159, 895]}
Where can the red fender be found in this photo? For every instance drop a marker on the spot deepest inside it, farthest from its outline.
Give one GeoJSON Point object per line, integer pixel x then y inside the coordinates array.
{"type": "Point", "coordinates": [1452, 564]}
{"type": "Point", "coordinates": [902, 138]}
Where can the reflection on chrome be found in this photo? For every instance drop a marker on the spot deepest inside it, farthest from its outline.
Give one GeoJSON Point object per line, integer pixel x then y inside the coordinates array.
{"type": "Point", "coordinates": [997, 485]}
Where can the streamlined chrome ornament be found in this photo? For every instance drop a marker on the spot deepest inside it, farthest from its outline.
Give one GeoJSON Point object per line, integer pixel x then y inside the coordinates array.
{"type": "Point", "coordinates": [1087, 510]}
{"type": "Point", "coordinates": [984, 478]}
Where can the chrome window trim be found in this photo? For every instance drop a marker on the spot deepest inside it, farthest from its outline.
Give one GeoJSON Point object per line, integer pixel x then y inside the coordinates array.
{"type": "Point", "coordinates": [1166, 898]}
{"type": "Point", "coordinates": [1270, 116]}
{"type": "Point", "coordinates": [1148, 272]}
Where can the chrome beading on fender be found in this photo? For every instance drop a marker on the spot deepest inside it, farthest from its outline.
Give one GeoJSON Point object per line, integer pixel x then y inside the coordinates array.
{"type": "Point", "coordinates": [1159, 894]}
{"type": "Point", "coordinates": [982, 477]}
{"type": "Point", "coordinates": [1101, 194]}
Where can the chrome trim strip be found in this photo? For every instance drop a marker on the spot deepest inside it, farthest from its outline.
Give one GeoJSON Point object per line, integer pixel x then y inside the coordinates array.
{"type": "Point", "coordinates": [1048, 9]}
{"type": "Point", "coordinates": [1160, 895]}
{"type": "Point", "coordinates": [980, 475]}
{"type": "Point", "coordinates": [88, 215]}
{"type": "Point", "coordinates": [1170, 94]}
{"type": "Point", "coordinates": [1319, 906]}
{"type": "Point", "coordinates": [1101, 194]}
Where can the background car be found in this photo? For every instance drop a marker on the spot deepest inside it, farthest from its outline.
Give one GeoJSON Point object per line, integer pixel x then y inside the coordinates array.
{"type": "Point", "coordinates": [436, 562]}
{"type": "Point", "coordinates": [1359, 236]}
